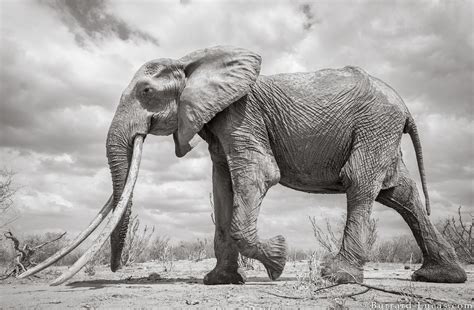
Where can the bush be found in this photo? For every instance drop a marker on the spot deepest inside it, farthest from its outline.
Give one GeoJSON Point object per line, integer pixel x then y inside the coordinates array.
{"type": "Point", "coordinates": [194, 250]}
{"type": "Point", "coordinates": [51, 248]}
{"type": "Point", "coordinates": [136, 242]}
{"type": "Point", "coordinates": [402, 249]}
{"type": "Point", "coordinates": [295, 255]}
{"type": "Point", "coordinates": [329, 236]}
{"type": "Point", "coordinates": [459, 234]}
{"type": "Point", "coordinates": [159, 249]}
{"type": "Point", "coordinates": [7, 253]}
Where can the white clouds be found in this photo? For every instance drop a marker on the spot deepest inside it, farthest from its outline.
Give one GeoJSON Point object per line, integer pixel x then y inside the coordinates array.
{"type": "Point", "coordinates": [63, 72]}
{"type": "Point", "coordinates": [35, 202]}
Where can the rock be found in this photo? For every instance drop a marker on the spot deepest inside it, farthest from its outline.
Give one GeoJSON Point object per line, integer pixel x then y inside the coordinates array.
{"type": "Point", "coordinates": [154, 277]}
{"type": "Point", "coordinates": [192, 302]}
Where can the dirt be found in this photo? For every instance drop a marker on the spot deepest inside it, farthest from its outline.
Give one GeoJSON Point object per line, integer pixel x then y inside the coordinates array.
{"type": "Point", "coordinates": [179, 285]}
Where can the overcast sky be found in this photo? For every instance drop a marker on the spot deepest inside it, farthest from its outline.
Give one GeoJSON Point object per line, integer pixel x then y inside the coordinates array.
{"type": "Point", "coordinates": [65, 63]}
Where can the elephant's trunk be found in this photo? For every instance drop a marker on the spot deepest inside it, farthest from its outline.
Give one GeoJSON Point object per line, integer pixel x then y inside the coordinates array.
{"type": "Point", "coordinates": [119, 161]}
{"type": "Point", "coordinates": [114, 218]}
{"type": "Point", "coordinates": [124, 127]}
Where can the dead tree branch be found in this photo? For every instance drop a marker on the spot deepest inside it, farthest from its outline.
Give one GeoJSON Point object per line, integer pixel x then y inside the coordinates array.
{"type": "Point", "coordinates": [23, 258]}
{"type": "Point", "coordinates": [349, 295]}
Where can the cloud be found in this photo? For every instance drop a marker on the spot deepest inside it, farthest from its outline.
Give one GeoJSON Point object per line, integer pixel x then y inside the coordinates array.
{"type": "Point", "coordinates": [309, 16]}
{"type": "Point", "coordinates": [62, 75]}
{"type": "Point", "coordinates": [90, 19]}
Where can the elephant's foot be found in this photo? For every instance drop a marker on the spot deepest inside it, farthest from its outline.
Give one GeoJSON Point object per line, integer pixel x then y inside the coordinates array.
{"type": "Point", "coordinates": [225, 276]}
{"type": "Point", "coordinates": [273, 255]}
{"type": "Point", "coordinates": [440, 273]}
{"type": "Point", "coordinates": [339, 270]}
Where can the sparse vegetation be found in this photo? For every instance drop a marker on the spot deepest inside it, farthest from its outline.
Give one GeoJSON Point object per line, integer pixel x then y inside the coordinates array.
{"type": "Point", "coordinates": [135, 250]}
{"type": "Point", "coordinates": [309, 285]}
{"type": "Point", "coordinates": [7, 192]}
{"type": "Point", "coordinates": [161, 251]}
{"type": "Point", "coordinates": [25, 254]}
{"type": "Point", "coordinates": [401, 249]}
{"type": "Point", "coordinates": [193, 250]}
{"type": "Point", "coordinates": [458, 232]}
{"type": "Point", "coordinates": [310, 278]}
{"type": "Point", "coordinates": [329, 235]}
{"type": "Point", "coordinates": [136, 242]}
{"type": "Point", "coordinates": [101, 258]}
{"type": "Point", "coordinates": [246, 263]}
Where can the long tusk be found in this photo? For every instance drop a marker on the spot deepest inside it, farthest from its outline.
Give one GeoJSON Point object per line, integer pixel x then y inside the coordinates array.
{"type": "Point", "coordinates": [114, 218]}
{"type": "Point", "coordinates": [81, 237]}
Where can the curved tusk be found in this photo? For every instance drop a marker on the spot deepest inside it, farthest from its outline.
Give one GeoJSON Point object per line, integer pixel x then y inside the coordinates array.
{"type": "Point", "coordinates": [81, 237]}
{"type": "Point", "coordinates": [113, 219]}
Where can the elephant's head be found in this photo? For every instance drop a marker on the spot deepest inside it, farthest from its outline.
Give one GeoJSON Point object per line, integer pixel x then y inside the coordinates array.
{"type": "Point", "coordinates": [165, 96]}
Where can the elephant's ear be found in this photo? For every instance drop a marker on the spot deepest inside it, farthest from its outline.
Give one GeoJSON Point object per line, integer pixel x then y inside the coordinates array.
{"type": "Point", "coordinates": [215, 78]}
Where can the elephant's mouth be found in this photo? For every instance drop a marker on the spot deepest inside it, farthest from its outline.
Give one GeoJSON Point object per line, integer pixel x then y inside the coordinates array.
{"type": "Point", "coordinates": [113, 221]}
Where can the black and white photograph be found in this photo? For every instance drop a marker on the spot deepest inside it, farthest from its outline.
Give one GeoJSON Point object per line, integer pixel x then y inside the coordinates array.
{"type": "Point", "coordinates": [206, 154]}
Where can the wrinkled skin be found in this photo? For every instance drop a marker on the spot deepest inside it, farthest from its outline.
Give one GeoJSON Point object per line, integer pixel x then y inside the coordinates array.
{"type": "Point", "coordinates": [330, 131]}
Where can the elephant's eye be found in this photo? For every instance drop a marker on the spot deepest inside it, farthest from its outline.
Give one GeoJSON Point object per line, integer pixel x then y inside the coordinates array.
{"type": "Point", "coordinates": [147, 90]}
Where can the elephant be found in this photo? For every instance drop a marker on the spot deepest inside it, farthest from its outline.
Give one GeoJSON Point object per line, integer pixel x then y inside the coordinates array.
{"type": "Point", "coordinates": [332, 131]}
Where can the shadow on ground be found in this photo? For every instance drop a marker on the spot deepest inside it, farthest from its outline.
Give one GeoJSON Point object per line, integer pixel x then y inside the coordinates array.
{"type": "Point", "coordinates": [102, 283]}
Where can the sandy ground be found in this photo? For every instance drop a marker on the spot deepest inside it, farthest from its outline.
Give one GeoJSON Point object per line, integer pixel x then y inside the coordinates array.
{"type": "Point", "coordinates": [148, 285]}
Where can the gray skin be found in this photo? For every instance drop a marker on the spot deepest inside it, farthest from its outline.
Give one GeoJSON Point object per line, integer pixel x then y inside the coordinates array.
{"type": "Point", "coordinates": [331, 131]}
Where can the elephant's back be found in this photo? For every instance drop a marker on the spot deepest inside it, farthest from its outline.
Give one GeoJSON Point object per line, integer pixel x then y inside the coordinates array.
{"type": "Point", "coordinates": [323, 88]}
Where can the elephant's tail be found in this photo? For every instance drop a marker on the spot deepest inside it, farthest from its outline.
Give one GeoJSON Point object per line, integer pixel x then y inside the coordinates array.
{"type": "Point", "coordinates": [410, 128]}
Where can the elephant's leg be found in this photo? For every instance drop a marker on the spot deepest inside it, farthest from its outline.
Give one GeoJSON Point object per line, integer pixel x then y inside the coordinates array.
{"type": "Point", "coordinates": [225, 249]}
{"type": "Point", "coordinates": [362, 177]}
{"type": "Point", "coordinates": [348, 264]}
{"type": "Point", "coordinates": [252, 174]}
{"type": "Point", "coordinates": [439, 258]}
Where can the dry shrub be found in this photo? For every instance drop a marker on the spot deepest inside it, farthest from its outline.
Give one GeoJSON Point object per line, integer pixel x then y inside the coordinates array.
{"type": "Point", "coordinates": [309, 279]}
{"type": "Point", "coordinates": [196, 250]}
{"type": "Point", "coordinates": [135, 249]}
{"type": "Point", "coordinates": [402, 249]}
{"type": "Point", "coordinates": [458, 232]}
{"type": "Point", "coordinates": [7, 253]}
{"type": "Point", "coordinates": [295, 255]}
{"type": "Point", "coordinates": [100, 258]}
{"type": "Point", "coordinates": [27, 252]}
{"type": "Point", "coordinates": [136, 242]}
{"type": "Point", "coordinates": [246, 263]}
{"type": "Point", "coordinates": [52, 248]}
{"type": "Point", "coordinates": [160, 250]}
{"type": "Point", "coordinates": [329, 236]}
{"type": "Point", "coordinates": [8, 214]}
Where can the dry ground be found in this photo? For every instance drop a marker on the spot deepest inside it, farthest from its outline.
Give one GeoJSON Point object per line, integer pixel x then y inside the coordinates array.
{"type": "Point", "coordinates": [137, 288]}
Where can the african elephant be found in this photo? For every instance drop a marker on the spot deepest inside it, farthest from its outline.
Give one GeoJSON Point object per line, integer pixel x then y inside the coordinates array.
{"type": "Point", "coordinates": [332, 131]}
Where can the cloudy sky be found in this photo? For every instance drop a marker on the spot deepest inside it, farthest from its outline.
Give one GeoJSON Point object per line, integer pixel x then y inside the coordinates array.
{"type": "Point", "coordinates": [65, 63]}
